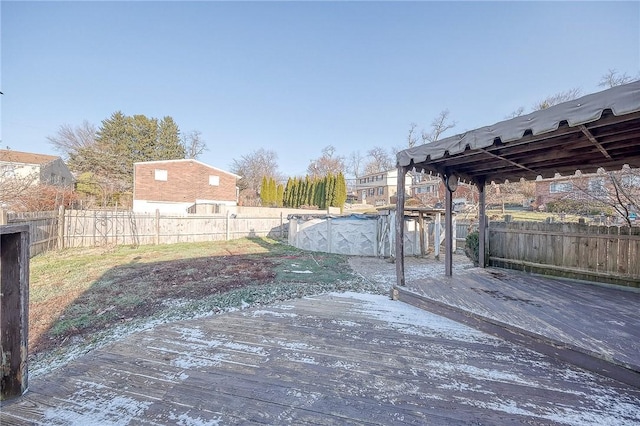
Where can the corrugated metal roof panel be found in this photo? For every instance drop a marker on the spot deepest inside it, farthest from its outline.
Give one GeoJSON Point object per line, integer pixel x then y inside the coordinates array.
{"type": "Point", "coordinates": [621, 100]}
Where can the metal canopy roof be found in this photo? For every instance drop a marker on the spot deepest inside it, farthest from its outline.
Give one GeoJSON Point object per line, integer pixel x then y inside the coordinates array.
{"type": "Point", "coordinates": [598, 130]}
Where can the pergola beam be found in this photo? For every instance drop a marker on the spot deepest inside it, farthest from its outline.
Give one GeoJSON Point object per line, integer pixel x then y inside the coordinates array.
{"type": "Point", "coordinates": [593, 140]}
{"type": "Point", "coordinates": [513, 163]}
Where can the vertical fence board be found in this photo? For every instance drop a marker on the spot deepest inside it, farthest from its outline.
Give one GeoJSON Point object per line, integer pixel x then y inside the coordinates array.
{"type": "Point", "coordinates": [623, 260]}
{"type": "Point", "coordinates": [613, 249]}
{"type": "Point", "coordinates": [634, 252]}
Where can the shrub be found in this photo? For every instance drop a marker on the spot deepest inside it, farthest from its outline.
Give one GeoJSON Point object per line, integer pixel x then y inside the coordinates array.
{"type": "Point", "coordinates": [472, 248]}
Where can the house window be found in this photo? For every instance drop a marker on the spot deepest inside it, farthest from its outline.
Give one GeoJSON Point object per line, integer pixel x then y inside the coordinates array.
{"type": "Point", "coordinates": [631, 181]}
{"type": "Point", "coordinates": [214, 180]}
{"type": "Point", "coordinates": [596, 186]}
{"type": "Point", "coordinates": [372, 191]}
{"type": "Point", "coordinates": [364, 193]}
{"type": "Point", "coordinates": [160, 174]}
{"type": "Point", "coordinates": [557, 187]}
{"type": "Point", "coordinates": [381, 190]}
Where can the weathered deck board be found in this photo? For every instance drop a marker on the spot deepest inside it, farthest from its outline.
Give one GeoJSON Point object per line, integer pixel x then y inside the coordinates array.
{"type": "Point", "coordinates": [333, 359]}
{"type": "Point", "coordinates": [598, 321]}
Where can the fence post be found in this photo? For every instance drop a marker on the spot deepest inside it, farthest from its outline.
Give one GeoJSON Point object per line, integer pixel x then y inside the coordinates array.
{"type": "Point", "coordinates": [227, 231]}
{"type": "Point", "coordinates": [329, 242]}
{"type": "Point", "coordinates": [61, 227]}
{"type": "Point", "coordinates": [157, 236]}
{"type": "Point", "coordinates": [4, 217]}
{"type": "Point", "coordinates": [14, 310]}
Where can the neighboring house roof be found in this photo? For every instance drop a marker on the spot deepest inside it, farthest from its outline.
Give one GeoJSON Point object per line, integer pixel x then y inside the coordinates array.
{"type": "Point", "coordinates": [597, 130]}
{"type": "Point", "coordinates": [158, 162]}
{"type": "Point", "coordinates": [11, 156]}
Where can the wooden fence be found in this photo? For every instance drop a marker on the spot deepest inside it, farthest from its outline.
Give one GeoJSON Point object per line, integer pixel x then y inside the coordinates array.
{"type": "Point", "coordinates": [43, 228]}
{"type": "Point", "coordinates": [91, 228]}
{"type": "Point", "coordinates": [608, 254]}
{"type": "Point", "coordinates": [85, 228]}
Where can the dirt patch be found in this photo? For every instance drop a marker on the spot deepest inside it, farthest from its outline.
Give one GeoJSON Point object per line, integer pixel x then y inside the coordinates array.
{"type": "Point", "coordinates": [76, 298]}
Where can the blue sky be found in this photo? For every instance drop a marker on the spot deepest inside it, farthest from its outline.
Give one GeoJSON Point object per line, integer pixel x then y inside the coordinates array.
{"type": "Point", "coordinates": [294, 77]}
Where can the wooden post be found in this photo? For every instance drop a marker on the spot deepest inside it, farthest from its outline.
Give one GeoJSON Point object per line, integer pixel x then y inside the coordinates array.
{"type": "Point", "coordinates": [423, 249]}
{"type": "Point", "coordinates": [60, 227]}
{"type": "Point", "coordinates": [157, 235]}
{"type": "Point", "coordinates": [448, 234]}
{"type": "Point", "coordinates": [482, 224]}
{"type": "Point", "coordinates": [4, 217]}
{"type": "Point", "coordinates": [402, 171]}
{"type": "Point", "coordinates": [437, 231]}
{"type": "Point", "coordinates": [14, 310]}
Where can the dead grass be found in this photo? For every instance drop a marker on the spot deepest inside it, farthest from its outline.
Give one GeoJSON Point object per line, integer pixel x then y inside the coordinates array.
{"type": "Point", "coordinates": [78, 293]}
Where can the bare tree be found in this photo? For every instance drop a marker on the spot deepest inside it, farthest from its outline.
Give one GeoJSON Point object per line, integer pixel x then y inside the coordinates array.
{"type": "Point", "coordinates": [439, 125]}
{"type": "Point", "coordinates": [327, 163]}
{"type": "Point", "coordinates": [517, 113]}
{"type": "Point", "coordinates": [411, 137]}
{"type": "Point", "coordinates": [69, 141]}
{"type": "Point", "coordinates": [558, 98]}
{"type": "Point", "coordinates": [13, 186]}
{"type": "Point", "coordinates": [252, 168]}
{"type": "Point", "coordinates": [379, 161]}
{"type": "Point", "coordinates": [618, 191]}
{"type": "Point", "coordinates": [520, 192]}
{"type": "Point", "coordinates": [193, 144]}
{"type": "Point", "coordinates": [354, 164]}
{"type": "Point", "coordinates": [612, 78]}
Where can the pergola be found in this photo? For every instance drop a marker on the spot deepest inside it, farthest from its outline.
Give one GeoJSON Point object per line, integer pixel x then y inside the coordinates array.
{"type": "Point", "coordinates": [600, 130]}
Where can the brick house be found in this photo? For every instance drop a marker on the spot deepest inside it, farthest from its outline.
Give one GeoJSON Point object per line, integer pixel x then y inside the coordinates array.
{"type": "Point", "coordinates": [34, 169]}
{"type": "Point", "coordinates": [181, 186]}
{"type": "Point", "coordinates": [585, 187]}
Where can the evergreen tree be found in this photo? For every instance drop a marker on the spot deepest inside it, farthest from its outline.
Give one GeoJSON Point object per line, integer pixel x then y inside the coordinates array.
{"type": "Point", "coordinates": [170, 146]}
{"type": "Point", "coordinates": [279, 195]}
{"type": "Point", "coordinates": [273, 192]}
{"type": "Point", "coordinates": [264, 189]}
{"type": "Point", "coordinates": [341, 191]}
{"type": "Point", "coordinates": [286, 198]}
{"type": "Point", "coordinates": [123, 140]}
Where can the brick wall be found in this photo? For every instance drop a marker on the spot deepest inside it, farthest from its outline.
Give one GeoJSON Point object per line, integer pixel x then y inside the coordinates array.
{"type": "Point", "coordinates": [187, 181]}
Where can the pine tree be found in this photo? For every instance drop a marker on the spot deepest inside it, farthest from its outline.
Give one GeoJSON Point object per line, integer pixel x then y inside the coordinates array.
{"type": "Point", "coordinates": [279, 195]}
{"type": "Point", "coordinates": [273, 192]}
{"type": "Point", "coordinates": [341, 191]}
{"type": "Point", "coordinates": [264, 189]}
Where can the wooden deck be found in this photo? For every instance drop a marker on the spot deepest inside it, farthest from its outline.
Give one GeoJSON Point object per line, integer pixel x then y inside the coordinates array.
{"type": "Point", "coordinates": [593, 326]}
{"type": "Point", "coordinates": [332, 359]}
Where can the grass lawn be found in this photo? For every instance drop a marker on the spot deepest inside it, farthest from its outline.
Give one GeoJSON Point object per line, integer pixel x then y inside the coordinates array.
{"type": "Point", "coordinates": [81, 296]}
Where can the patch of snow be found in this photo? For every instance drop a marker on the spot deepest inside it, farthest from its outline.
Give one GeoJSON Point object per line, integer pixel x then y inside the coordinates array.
{"type": "Point", "coordinates": [414, 321]}
{"type": "Point", "coordinates": [303, 358]}
{"type": "Point", "coordinates": [294, 345]}
{"type": "Point", "coordinates": [259, 313]}
{"type": "Point", "coordinates": [188, 360]}
{"type": "Point", "coordinates": [306, 271]}
{"type": "Point", "coordinates": [258, 350]}
{"type": "Point", "coordinates": [345, 323]}
{"type": "Point", "coordinates": [95, 404]}
{"type": "Point", "coordinates": [284, 307]}
{"type": "Point", "coordinates": [184, 419]}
